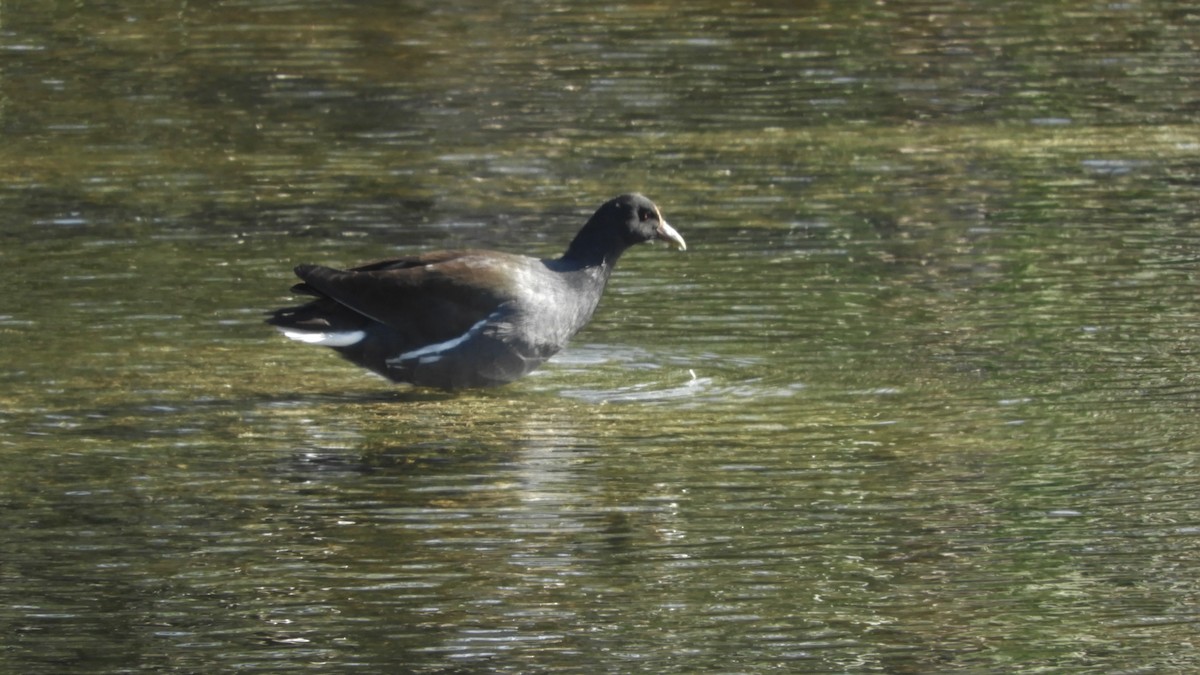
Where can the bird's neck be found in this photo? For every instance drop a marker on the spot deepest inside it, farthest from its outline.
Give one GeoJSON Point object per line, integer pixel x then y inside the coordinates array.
{"type": "Point", "coordinates": [593, 247]}
{"type": "Point", "coordinates": [587, 271]}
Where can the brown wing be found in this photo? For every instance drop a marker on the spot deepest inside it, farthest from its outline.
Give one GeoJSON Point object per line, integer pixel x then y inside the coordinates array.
{"type": "Point", "coordinates": [437, 296]}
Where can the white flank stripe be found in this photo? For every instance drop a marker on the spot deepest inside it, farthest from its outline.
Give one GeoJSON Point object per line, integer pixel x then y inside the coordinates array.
{"type": "Point", "coordinates": [433, 352]}
{"type": "Point", "coordinates": [335, 339]}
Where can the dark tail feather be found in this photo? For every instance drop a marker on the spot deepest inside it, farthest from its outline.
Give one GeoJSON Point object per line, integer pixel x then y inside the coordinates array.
{"type": "Point", "coordinates": [321, 314]}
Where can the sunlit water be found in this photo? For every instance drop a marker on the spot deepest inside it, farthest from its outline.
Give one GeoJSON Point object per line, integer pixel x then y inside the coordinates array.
{"type": "Point", "coordinates": [921, 395]}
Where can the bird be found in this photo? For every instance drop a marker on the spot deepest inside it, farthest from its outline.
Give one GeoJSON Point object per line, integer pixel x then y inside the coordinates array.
{"type": "Point", "coordinates": [468, 318]}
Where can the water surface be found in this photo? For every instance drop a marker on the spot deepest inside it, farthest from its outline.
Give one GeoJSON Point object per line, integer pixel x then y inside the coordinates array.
{"type": "Point", "coordinates": [919, 397]}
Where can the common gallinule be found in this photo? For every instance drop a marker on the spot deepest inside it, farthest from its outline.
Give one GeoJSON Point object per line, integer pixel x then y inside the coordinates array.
{"type": "Point", "coordinates": [468, 318]}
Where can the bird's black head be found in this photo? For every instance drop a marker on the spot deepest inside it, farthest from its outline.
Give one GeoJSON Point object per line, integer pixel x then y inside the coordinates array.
{"type": "Point", "coordinates": [618, 224]}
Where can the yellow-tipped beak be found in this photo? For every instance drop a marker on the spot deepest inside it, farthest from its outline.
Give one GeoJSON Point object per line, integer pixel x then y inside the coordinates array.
{"type": "Point", "coordinates": [669, 235]}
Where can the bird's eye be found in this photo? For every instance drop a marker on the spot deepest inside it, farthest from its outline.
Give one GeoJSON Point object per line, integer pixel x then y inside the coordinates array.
{"type": "Point", "coordinates": [645, 215]}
